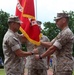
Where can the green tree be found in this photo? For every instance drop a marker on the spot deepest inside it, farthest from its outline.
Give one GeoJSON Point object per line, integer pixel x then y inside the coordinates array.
{"type": "Point", "coordinates": [71, 20]}
{"type": "Point", "coordinates": [3, 28]}
{"type": "Point", "coordinates": [50, 30]}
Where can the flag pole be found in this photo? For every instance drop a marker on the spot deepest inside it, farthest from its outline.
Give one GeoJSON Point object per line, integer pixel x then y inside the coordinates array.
{"type": "Point", "coordinates": [35, 8]}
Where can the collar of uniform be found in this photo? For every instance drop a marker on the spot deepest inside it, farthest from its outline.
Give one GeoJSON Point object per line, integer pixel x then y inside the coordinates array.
{"type": "Point", "coordinates": [65, 28]}
{"type": "Point", "coordinates": [10, 30]}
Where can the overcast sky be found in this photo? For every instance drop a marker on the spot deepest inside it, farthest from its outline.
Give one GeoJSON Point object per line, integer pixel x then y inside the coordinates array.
{"type": "Point", "coordinates": [46, 9]}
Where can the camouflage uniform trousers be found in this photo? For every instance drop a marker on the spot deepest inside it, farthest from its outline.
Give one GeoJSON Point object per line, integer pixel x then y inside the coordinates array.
{"type": "Point", "coordinates": [63, 73]}
{"type": "Point", "coordinates": [37, 72]}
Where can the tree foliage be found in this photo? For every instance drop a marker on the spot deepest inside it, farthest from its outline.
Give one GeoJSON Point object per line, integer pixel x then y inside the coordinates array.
{"type": "Point", "coordinates": [3, 27]}
{"type": "Point", "coordinates": [50, 30]}
{"type": "Point", "coordinates": [71, 20]}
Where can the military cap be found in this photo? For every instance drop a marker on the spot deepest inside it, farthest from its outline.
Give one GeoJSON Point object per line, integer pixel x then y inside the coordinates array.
{"type": "Point", "coordinates": [14, 19]}
{"type": "Point", "coordinates": [61, 15]}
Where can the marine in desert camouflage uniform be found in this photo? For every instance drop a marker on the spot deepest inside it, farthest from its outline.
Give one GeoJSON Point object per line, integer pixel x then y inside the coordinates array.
{"type": "Point", "coordinates": [62, 46]}
{"type": "Point", "coordinates": [12, 48]}
{"type": "Point", "coordinates": [64, 62]}
{"type": "Point", "coordinates": [37, 67]}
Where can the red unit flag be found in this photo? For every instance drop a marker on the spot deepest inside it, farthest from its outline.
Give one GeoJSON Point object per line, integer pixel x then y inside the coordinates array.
{"type": "Point", "coordinates": [30, 29]}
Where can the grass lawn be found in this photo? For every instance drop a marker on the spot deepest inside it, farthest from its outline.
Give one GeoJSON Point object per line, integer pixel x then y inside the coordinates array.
{"type": "Point", "coordinates": [73, 73]}
{"type": "Point", "coordinates": [2, 72]}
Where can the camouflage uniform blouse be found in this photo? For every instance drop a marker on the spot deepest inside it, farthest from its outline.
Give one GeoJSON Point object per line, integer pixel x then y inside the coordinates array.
{"type": "Point", "coordinates": [31, 61]}
{"type": "Point", "coordinates": [13, 64]}
{"type": "Point", "coordinates": [64, 42]}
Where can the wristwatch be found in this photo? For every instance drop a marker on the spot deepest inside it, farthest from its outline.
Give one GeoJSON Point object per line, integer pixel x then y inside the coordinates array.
{"type": "Point", "coordinates": [40, 57]}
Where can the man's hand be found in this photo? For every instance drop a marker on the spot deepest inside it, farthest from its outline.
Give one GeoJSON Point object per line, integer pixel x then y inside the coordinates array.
{"type": "Point", "coordinates": [37, 57]}
{"type": "Point", "coordinates": [35, 51]}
